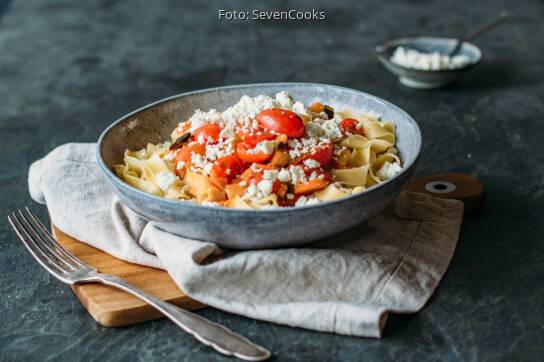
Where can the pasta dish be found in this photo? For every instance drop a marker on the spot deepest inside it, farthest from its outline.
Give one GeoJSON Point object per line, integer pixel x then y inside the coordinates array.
{"type": "Point", "coordinates": [266, 152]}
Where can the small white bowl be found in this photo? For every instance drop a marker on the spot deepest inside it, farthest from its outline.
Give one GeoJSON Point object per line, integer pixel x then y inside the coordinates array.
{"type": "Point", "coordinates": [427, 79]}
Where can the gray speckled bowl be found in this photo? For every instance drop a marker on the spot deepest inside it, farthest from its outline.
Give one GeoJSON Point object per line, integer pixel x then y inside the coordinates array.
{"type": "Point", "coordinates": [427, 79]}
{"type": "Point", "coordinates": [248, 229]}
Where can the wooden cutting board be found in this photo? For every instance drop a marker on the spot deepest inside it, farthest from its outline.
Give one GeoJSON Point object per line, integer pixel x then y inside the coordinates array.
{"type": "Point", "coordinates": [112, 307]}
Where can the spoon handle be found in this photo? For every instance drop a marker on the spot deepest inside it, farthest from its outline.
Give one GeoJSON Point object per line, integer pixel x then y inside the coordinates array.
{"type": "Point", "coordinates": [484, 29]}
{"type": "Point", "coordinates": [478, 32]}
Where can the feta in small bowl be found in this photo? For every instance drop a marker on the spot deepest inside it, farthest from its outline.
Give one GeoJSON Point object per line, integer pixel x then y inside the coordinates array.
{"type": "Point", "coordinates": [424, 63]}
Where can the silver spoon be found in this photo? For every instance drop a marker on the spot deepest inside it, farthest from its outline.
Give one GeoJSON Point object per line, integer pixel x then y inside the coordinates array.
{"type": "Point", "coordinates": [476, 33]}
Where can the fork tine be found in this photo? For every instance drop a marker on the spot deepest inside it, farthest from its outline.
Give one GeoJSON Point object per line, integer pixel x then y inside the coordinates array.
{"type": "Point", "coordinates": [53, 242]}
{"type": "Point", "coordinates": [43, 245]}
{"type": "Point", "coordinates": [36, 252]}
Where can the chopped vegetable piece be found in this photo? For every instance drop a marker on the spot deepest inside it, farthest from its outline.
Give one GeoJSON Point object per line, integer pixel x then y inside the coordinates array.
{"type": "Point", "coordinates": [310, 186]}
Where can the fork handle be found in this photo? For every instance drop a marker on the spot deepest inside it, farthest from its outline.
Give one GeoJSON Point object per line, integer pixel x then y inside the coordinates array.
{"type": "Point", "coordinates": [212, 334]}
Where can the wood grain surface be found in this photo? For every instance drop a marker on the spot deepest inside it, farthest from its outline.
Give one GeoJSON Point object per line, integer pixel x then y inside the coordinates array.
{"type": "Point", "coordinates": [112, 307]}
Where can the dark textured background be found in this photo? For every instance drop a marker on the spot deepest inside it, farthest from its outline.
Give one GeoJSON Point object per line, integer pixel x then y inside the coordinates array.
{"type": "Point", "coordinates": [67, 71]}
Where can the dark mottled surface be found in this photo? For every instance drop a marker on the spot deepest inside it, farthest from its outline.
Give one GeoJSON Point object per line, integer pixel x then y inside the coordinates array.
{"type": "Point", "coordinates": [67, 70]}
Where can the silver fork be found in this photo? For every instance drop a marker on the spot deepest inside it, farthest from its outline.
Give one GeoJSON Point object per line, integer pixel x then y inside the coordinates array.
{"type": "Point", "coordinates": [69, 269]}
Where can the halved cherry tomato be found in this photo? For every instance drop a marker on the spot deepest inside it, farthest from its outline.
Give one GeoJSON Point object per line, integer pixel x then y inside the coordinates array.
{"type": "Point", "coordinates": [310, 186]}
{"type": "Point", "coordinates": [258, 177]}
{"type": "Point", "coordinates": [243, 151]}
{"type": "Point", "coordinates": [208, 130]}
{"type": "Point", "coordinates": [281, 121]}
{"type": "Point", "coordinates": [322, 154]}
{"type": "Point", "coordinates": [254, 137]}
{"type": "Point", "coordinates": [228, 167]}
{"type": "Point", "coordinates": [350, 125]}
{"type": "Point", "coordinates": [186, 152]}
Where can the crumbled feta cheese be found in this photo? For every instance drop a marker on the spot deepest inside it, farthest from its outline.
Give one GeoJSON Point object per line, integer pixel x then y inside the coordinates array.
{"type": "Point", "coordinates": [311, 163]}
{"type": "Point", "coordinates": [284, 175]}
{"type": "Point", "coordinates": [332, 129]}
{"type": "Point", "coordinates": [388, 170]}
{"type": "Point", "coordinates": [197, 160]}
{"type": "Point", "coordinates": [284, 100]}
{"type": "Point", "coordinates": [263, 147]}
{"type": "Point", "coordinates": [290, 196]}
{"type": "Point", "coordinates": [300, 108]}
{"type": "Point", "coordinates": [180, 165]}
{"type": "Point", "coordinates": [165, 179]}
{"type": "Point", "coordinates": [199, 118]}
{"type": "Point", "coordinates": [297, 174]}
{"type": "Point", "coordinates": [301, 201]}
{"type": "Point", "coordinates": [265, 186]}
{"type": "Point", "coordinates": [248, 108]}
{"type": "Point", "coordinates": [271, 175]}
{"type": "Point", "coordinates": [411, 58]}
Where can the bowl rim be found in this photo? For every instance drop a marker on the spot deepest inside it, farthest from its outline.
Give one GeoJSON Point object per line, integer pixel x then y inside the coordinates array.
{"type": "Point", "coordinates": [381, 54]}
{"type": "Point", "coordinates": [110, 175]}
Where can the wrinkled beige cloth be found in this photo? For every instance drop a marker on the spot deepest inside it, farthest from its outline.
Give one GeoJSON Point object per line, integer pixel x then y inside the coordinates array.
{"type": "Point", "coordinates": [344, 285]}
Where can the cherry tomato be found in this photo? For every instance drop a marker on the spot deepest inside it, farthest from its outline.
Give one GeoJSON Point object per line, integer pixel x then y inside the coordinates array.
{"type": "Point", "coordinates": [243, 151]}
{"type": "Point", "coordinates": [322, 154]}
{"type": "Point", "coordinates": [254, 137]}
{"type": "Point", "coordinates": [228, 167]}
{"type": "Point", "coordinates": [281, 121]}
{"type": "Point", "coordinates": [208, 130]}
{"type": "Point", "coordinates": [184, 155]}
{"type": "Point", "coordinates": [350, 125]}
{"type": "Point", "coordinates": [258, 177]}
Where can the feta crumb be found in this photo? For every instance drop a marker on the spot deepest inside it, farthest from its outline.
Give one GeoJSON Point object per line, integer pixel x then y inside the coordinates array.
{"type": "Point", "coordinates": [301, 201]}
{"type": "Point", "coordinates": [265, 186]}
{"type": "Point", "coordinates": [165, 179]}
{"type": "Point", "coordinates": [263, 147]}
{"type": "Point", "coordinates": [284, 100]}
{"type": "Point", "coordinates": [300, 108]}
{"type": "Point", "coordinates": [388, 170]}
{"type": "Point", "coordinates": [297, 174]}
{"type": "Point", "coordinates": [199, 118]}
{"type": "Point", "coordinates": [180, 165]}
{"type": "Point", "coordinates": [290, 196]}
{"type": "Point", "coordinates": [411, 58]}
{"type": "Point", "coordinates": [311, 163]}
{"type": "Point", "coordinates": [284, 175]}
{"type": "Point", "coordinates": [271, 175]}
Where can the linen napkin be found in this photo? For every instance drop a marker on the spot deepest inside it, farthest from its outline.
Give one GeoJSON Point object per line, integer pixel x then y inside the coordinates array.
{"type": "Point", "coordinates": [347, 284]}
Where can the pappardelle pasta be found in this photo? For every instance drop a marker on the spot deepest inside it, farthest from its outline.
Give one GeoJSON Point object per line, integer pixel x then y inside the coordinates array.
{"type": "Point", "coordinates": [266, 152]}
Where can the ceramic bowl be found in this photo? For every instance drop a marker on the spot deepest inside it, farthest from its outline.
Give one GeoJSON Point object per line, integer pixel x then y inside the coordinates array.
{"type": "Point", "coordinates": [252, 229]}
{"type": "Point", "coordinates": [427, 79]}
